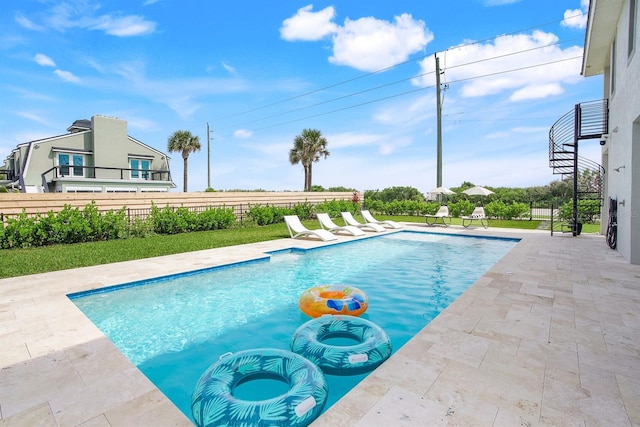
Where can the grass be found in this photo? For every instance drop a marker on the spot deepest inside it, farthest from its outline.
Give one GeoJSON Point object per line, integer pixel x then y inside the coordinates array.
{"type": "Point", "coordinates": [21, 262]}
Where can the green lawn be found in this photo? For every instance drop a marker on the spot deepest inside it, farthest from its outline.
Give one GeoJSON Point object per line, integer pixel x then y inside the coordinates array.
{"type": "Point", "coordinates": [20, 262]}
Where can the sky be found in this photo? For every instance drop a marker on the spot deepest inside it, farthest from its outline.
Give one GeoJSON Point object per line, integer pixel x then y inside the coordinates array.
{"type": "Point", "coordinates": [259, 73]}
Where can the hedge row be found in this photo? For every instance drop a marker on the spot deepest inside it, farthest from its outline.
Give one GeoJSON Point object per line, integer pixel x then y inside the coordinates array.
{"type": "Point", "coordinates": [74, 225]}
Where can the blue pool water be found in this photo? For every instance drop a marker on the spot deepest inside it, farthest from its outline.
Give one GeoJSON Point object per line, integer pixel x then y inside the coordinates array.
{"type": "Point", "coordinates": [173, 328]}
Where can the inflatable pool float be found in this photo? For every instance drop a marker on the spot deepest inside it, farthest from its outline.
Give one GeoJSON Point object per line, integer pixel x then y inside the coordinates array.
{"type": "Point", "coordinates": [372, 344]}
{"type": "Point", "coordinates": [213, 402]}
{"type": "Point", "coordinates": [333, 299]}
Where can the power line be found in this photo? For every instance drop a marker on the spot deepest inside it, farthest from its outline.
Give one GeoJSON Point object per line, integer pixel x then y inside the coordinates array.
{"type": "Point", "coordinates": [391, 84]}
{"type": "Point", "coordinates": [414, 91]}
{"type": "Point", "coordinates": [415, 59]}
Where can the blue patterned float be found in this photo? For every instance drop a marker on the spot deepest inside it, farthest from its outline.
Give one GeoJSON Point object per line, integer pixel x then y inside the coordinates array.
{"type": "Point", "coordinates": [213, 403]}
{"type": "Point", "coordinates": [373, 344]}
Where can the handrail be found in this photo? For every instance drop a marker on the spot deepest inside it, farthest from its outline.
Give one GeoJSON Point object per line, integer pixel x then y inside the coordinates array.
{"type": "Point", "coordinates": [153, 174]}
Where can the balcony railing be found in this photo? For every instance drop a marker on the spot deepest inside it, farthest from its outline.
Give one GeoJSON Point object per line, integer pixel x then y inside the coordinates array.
{"type": "Point", "coordinates": [101, 172]}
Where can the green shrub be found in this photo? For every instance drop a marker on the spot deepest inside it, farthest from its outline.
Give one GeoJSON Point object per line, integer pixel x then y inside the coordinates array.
{"type": "Point", "coordinates": [588, 210]}
{"type": "Point", "coordinates": [214, 218]}
{"type": "Point", "coordinates": [498, 209]}
{"type": "Point", "coordinates": [460, 208]}
{"type": "Point", "coordinates": [169, 220]}
{"type": "Point", "coordinates": [334, 207]}
{"type": "Point", "coordinates": [303, 210]}
{"type": "Point", "coordinates": [261, 215]}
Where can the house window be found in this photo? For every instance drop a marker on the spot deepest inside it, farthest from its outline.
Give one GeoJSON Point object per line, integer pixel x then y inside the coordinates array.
{"type": "Point", "coordinates": [632, 27]}
{"type": "Point", "coordinates": [139, 168]}
{"type": "Point", "coordinates": [71, 164]}
{"type": "Point", "coordinates": [612, 69]}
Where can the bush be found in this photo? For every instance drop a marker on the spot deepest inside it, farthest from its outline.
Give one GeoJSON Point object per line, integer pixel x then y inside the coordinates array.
{"type": "Point", "coordinates": [460, 208]}
{"type": "Point", "coordinates": [334, 207]}
{"type": "Point", "coordinates": [214, 219]}
{"type": "Point", "coordinates": [588, 210]}
{"type": "Point", "coordinates": [393, 194]}
{"type": "Point", "coordinates": [498, 209]}
{"type": "Point", "coordinates": [261, 215]}
{"type": "Point", "coordinates": [303, 210]}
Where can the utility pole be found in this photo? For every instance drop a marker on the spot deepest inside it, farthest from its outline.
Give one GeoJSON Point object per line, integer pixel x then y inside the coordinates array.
{"type": "Point", "coordinates": [208, 157]}
{"type": "Point", "coordinates": [438, 125]}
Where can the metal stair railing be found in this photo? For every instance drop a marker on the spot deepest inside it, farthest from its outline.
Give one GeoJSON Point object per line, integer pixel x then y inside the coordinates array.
{"type": "Point", "coordinates": [588, 120]}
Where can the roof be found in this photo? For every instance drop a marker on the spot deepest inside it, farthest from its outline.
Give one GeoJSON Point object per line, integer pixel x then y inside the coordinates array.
{"type": "Point", "coordinates": [602, 24]}
{"type": "Point", "coordinates": [80, 125]}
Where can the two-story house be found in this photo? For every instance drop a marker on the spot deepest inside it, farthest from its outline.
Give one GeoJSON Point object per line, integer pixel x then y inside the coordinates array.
{"type": "Point", "coordinates": [95, 155]}
{"type": "Point", "coordinates": [612, 48]}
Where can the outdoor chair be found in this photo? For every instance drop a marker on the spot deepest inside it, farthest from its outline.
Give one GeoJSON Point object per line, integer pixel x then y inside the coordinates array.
{"type": "Point", "coordinates": [297, 229]}
{"type": "Point", "coordinates": [477, 215]}
{"type": "Point", "coordinates": [370, 226]}
{"type": "Point", "coordinates": [327, 223]}
{"type": "Point", "coordinates": [441, 216]}
{"type": "Point", "coordinates": [387, 223]}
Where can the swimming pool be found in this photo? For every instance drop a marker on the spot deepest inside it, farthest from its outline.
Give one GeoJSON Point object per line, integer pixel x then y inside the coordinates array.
{"type": "Point", "coordinates": [173, 328]}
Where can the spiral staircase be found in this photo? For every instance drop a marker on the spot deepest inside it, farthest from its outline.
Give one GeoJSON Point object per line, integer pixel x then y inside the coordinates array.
{"type": "Point", "coordinates": [588, 120]}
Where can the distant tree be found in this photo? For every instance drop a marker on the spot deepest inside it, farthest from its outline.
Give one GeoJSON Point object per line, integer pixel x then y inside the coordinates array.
{"type": "Point", "coordinates": [394, 193]}
{"type": "Point", "coordinates": [308, 148]}
{"type": "Point", "coordinates": [341, 189]}
{"type": "Point", "coordinates": [182, 141]}
{"type": "Point", "coordinates": [560, 189]}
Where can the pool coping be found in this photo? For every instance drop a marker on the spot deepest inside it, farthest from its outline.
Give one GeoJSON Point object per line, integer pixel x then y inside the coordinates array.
{"type": "Point", "coordinates": [570, 333]}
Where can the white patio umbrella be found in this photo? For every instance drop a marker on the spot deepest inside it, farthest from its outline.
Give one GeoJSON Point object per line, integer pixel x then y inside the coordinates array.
{"type": "Point", "coordinates": [478, 191]}
{"type": "Point", "coordinates": [441, 190]}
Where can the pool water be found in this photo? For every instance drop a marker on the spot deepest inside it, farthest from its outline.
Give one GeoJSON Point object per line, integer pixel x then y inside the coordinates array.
{"type": "Point", "coordinates": [174, 328]}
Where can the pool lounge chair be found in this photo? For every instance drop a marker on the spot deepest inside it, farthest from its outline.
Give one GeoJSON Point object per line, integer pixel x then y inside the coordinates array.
{"type": "Point", "coordinates": [387, 223]}
{"type": "Point", "coordinates": [327, 224]}
{"type": "Point", "coordinates": [350, 220]}
{"type": "Point", "coordinates": [476, 215]}
{"type": "Point", "coordinates": [442, 216]}
{"type": "Point", "coordinates": [297, 229]}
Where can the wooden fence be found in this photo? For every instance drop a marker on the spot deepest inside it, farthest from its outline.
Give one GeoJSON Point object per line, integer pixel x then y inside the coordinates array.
{"type": "Point", "coordinates": [137, 204]}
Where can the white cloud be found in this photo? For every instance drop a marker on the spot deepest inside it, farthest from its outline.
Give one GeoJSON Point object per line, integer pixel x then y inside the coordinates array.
{"type": "Point", "coordinates": [25, 22]}
{"type": "Point", "coordinates": [308, 25]}
{"type": "Point", "coordinates": [577, 18]}
{"type": "Point", "coordinates": [229, 69]}
{"type": "Point", "coordinates": [485, 69]}
{"type": "Point", "coordinates": [125, 26]}
{"type": "Point", "coordinates": [67, 76]}
{"type": "Point", "coordinates": [44, 60]}
{"type": "Point", "coordinates": [367, 44]}
{"type": "Point", "coordinates": [405, 112]}
{"type": "Point", "coordinates": [242, 134]}
{"type": "Point", "coordinates": [537, 91]}
{"type": "Point", "coordinates": [82, 14]}
{"type": "Point", "coordinates": [34, 117]}
{"type": "Point", "coordinates": [370, 44]}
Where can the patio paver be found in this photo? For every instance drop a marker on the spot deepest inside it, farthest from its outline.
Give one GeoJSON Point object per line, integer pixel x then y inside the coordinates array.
{"type": "Point", "coordinates": [549, 336]}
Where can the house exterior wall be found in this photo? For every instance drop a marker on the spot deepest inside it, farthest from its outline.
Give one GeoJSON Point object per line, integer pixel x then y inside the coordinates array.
{"type": "Point", "coordinates": [41, 156]}
{"type": "Point", "coordinates": [105, 150]}
{"type": "Point", "coordinates": [622, 149]}
{"type": "Point", "coordinates": [110, 144]}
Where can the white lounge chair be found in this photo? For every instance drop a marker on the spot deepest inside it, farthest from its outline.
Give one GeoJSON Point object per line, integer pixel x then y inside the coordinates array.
{"type": "Point", "coordinates": [350, 220]}
{"type": "Point", "coordinates": [387, 223]}
{"type": "Point", "coordinates": [476, 215]}
{"type": "Point", "coordinates": [442, 215]}
{"type": "Point", "coordinates": [327, 223]}
{"type": "Point", "coordinates": [297, 229]}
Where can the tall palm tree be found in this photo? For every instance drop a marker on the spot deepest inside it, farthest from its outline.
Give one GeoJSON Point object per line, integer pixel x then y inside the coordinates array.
{"type": "Point", "coordinates": [184, 142]}
{"type": "Point", "coordinates": [308, 148]}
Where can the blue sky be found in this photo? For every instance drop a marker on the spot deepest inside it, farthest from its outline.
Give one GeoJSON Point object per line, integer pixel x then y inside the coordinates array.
{"type": "Point", "coordinates": [362, 72]}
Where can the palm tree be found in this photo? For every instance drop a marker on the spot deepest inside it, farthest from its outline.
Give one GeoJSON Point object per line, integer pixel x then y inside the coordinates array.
{"type": "Point", "coordinates": [184, 142]}
{"type": "Point", "coordinates": [308, 148]}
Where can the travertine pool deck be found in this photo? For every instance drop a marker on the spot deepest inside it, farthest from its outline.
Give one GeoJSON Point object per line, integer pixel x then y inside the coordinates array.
{"type": "Point", "coordinates": [549, 336]}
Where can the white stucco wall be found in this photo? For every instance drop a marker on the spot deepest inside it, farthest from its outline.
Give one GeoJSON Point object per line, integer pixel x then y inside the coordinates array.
{"type": "Point", "coordinates": [622, 151]}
